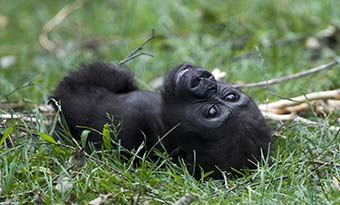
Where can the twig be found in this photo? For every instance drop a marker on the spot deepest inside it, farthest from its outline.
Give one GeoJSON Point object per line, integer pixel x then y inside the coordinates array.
{"type": "Point", "coordinates": [140, 47]}
{"type": "Point", "coordinates": [289, 77]}
{"type": "Point", "coordinates": [275, 179]}
{"type": "Point", "coordinates": [254, 183]}
{"type": "Point", "coordinates": [326, 163]}
{"type": "Point", "coordinates": [28, 118]}
{"type": "Point", "coordinates": [26, 85]}
{"type": "Point", "coordinates": [238, 186]}
{"type": "Point", "coordinates": [295, 118]}
{"type": "Point", "coordinates": [17, 104]}
{"type": "Point", "coordinates": [127, 59]}
{"type": "Point", "coordinates": [137, 51]}
{"type": "Point", "coordinates": [30, 192]}
{"type": "Point", "coordinates": [224, 177]}
{"type": "Point", "coordinates": [45, 42]}
{"type": "Point", "coordinates": [287, 109]}
{"type": "Point", "coordinates": [322, 95]}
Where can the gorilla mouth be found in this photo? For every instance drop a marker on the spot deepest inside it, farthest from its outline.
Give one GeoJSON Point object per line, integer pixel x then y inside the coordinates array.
{"type": "Point", "coordinates": [180, 74]}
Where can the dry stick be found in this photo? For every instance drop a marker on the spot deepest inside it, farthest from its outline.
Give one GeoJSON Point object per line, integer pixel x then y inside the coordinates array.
{"type": "Point", "coordinates": [326, 163]}
{"type": "Point", "coordinates": [187, 199]}
{"type": "Point", "coordinates": [295, 118]}
{"type": "Point", "coordinates": [45, 42]}
{"type": "Point", "coordinates": [135, 53]}
{"type": "Point", "coordinates": [249, 184]}
{"type": "Point", "coordinates": [140, 47]}
{"type": "Point", "coordinates": [289, 77]}
{"type": "Point", "coordinates": [127, 59]}
{"type": "Point", "coordinates": [224, 177]}
{"type": "Point", "coordinates": [321, 95]}
{"type": "Point", "coordinates": [27, 118]}
{"type": "Point", "coordinates": [275, 179]}
{"type": "Point", "coordinates": [19, 194]}
{"type": "Point", "coordinates": [273, 110]}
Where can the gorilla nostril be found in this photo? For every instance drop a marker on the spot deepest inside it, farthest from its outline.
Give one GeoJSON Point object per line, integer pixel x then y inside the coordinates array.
{"type": "Point", "coordinates": [205, 74]}
{"type": "Point", "coordinates": [203, 77]}
{"type": "Point", "coordinates": [195, 82]}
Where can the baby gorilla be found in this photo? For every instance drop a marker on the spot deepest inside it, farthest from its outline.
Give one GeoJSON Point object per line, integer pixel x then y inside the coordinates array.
{"type": "Point", "coordinates": [200, 120]}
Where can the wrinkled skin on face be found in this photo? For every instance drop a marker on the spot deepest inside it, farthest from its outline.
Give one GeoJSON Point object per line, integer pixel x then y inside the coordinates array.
{"type": "Point", "coordinates": [219, 127]}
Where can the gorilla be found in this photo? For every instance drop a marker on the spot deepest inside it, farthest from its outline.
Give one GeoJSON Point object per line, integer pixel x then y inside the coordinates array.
{"type": "Point", "coordinates": [202, 121]}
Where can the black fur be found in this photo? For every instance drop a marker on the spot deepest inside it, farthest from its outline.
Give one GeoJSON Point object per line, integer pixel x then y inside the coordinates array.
{"type": "Point", "coordinates": [214, 124]}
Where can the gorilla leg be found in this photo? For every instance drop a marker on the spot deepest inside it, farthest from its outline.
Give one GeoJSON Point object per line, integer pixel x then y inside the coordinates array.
{"type": "Point", "coordinates": [85, 94]}
{"type": "Point", "coordinates": [98, 75]}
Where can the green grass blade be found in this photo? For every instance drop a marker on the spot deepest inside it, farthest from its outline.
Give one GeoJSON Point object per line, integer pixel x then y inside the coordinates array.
{"type": "Point", "coordinates": [47, 137]}
{"type": "Point", "coordinates": [83, 138]}
{"type": "Point", "coordinates": [8, 131]}
{"type": "Point", "coordinates": [106, 136]}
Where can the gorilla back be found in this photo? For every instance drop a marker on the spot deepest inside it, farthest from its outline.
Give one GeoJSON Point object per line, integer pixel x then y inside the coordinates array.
{"type": "Point", "coordinates": [208, 123]}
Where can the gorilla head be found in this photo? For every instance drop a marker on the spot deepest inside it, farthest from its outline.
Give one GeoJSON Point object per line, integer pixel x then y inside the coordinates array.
{"type": "Point", "coordinates": [219, 126]}
{"type": "Point", "coordinates": [205, 122]}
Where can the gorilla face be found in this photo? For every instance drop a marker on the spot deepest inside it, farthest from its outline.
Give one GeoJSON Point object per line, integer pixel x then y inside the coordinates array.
{"type": "Point", "coordinates": [219, 123]}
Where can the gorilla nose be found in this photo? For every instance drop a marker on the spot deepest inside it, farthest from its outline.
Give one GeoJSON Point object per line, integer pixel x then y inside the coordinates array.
{"type": "Point", "coordinates": [205, 74]}
{"type": "Point", "coordinates": [202, 76]}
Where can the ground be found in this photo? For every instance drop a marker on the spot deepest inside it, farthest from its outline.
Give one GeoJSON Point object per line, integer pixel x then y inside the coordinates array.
{"type": "Point", "coordinates": [249, 40]}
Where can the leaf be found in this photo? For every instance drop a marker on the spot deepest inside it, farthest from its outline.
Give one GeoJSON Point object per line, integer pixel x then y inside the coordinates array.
{"type": "Point", "coordinates": [64, 185]}
{"type": "Point", "coordinates": [106, 136]}
{"type": "Point", "coordinates": [188, 198]}
{"type": "Point", "coordinates": [8, 131]}
{"type": "Point", "coordinates": [83, 138]}
{"type": "Point", "coordinates": [336, 182]}
{"type": "Point", "coordinates": [102, 199]}
{"type": "Point", "coordinates": [77, 160]}
{"type": "Point", "coordinates": [7, 61]}
{"type": "Point", "coordinates": [3, 21]}
{"type": "Point", "coordinates": [218, 74]}
{"type": "Point", "coordinates": [47, 137]}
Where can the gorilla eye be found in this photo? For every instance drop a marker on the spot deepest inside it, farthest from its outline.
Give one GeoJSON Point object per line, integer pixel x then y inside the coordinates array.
{"type": "Point", "coordinates": [232, 97]}
{"type": "Point", "coordinates": [212, 112]}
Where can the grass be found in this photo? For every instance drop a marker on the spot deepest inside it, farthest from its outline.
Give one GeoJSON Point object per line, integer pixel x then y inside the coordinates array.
{"type": "Point", "coordinates": [305, 163]}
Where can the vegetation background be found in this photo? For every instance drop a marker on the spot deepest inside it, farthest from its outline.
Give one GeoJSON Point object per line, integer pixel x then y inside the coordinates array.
{"type": "Point", "coordinates": [250, 40]}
